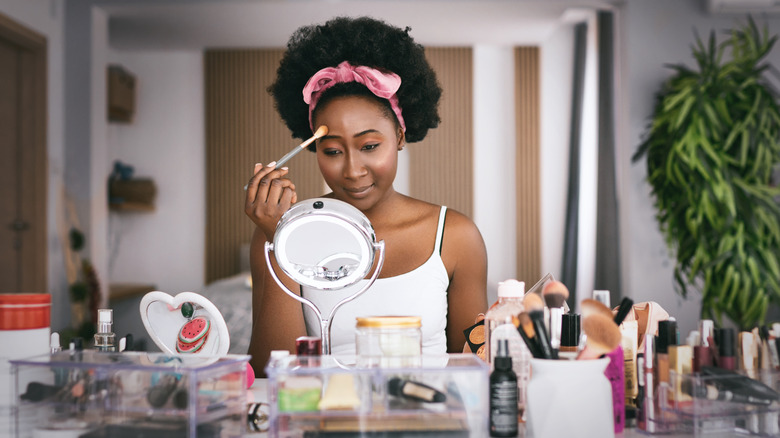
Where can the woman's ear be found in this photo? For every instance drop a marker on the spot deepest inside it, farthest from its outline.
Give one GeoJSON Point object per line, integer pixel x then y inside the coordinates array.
{"type": "Point", "coordinates": [401, 139]}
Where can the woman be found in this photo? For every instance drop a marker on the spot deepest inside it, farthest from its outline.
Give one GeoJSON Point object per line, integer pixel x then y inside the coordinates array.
{"type": "Point", "coordinates": [371, 85]}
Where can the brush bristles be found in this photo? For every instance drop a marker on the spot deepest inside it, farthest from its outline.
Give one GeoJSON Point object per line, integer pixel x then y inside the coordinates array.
{"type": "Point", "coordinates": [532, 301]}
{"type": "Point", "coordinates": [602, 332]}
{"type": "Point", "coordinates": [556, 287]}
{"type": "Point", "coordinates": [589, 306]}
{"type": "Point", "coordinates": [526, 324]}
{"type": "Point", "coordinates": [554, 299]}
{"type": "Point", "coordinates": [322, 130]}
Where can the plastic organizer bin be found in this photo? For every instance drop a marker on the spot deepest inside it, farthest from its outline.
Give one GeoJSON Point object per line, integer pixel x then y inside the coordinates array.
{"type": "Point", "coordinates": [718, 406]}
{"type": "Point", "coordinates": [89, 394]}
{"type": "Point", "coordinates": [330, 396]}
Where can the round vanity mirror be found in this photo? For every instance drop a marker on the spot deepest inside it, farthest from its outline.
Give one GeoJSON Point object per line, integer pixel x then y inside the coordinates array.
{"type": "Point", "coordinates": [325, 244]}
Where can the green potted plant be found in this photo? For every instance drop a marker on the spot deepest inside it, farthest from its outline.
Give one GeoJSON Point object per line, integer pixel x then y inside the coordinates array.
{"type": "Point", "coordinates": [711, 146]}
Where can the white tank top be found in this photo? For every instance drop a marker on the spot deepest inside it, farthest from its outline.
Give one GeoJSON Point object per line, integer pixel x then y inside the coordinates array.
{"type": "Point", "coordinates": [420, 292]}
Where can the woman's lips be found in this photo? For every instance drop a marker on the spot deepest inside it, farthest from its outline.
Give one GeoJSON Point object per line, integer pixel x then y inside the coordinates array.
{"type": "Point", "coordinates": [358, 192]}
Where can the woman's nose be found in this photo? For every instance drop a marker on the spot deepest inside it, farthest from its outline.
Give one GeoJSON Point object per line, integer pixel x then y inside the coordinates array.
{"type": "Point", "coordinates": [354, 166]}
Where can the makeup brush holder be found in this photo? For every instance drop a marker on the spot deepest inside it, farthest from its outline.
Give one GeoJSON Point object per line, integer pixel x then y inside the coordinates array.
{"type": "Point", "coordinates": [571, 398]}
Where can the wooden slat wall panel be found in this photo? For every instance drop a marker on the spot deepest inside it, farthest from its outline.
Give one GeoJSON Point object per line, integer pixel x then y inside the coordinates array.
{"type": "Point", "coordinates": [441, 165]}
{"type": "Point", "coordinates": [527, 175]}
{"type": "Point", "coordinates": [242, 128]}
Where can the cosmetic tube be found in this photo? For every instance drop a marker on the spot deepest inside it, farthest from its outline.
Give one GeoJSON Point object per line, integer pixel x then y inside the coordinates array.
{"type": "Point", "coordinates": [767, 358]}
{"type": "Point", "coordinates": [726, 351]}
{"type": "Point", "coordinates": [667, 336]}
{"type": "Point", "coordinates": [747, 354]}
{"type": "Point", "coordinates": [641, 421]}
{"type": "Point", "coordinates": [414, 391]}
{"type": "Point", "coordinates": [629, 341]}
{"type": "Point", "coordinates": [681, 362]}
{"type": "Point", "coordinates": [702, 355]}
{"type": "Point", "coordinates": [648, 400]}
{"type": "Point", "coordinates": [616, 376]}
{"type": "Point", "coordinates": [769, 423]}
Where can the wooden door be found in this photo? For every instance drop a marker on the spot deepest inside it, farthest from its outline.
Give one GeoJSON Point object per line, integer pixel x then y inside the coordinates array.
{"type": "Point", "coordinates": [23, 171]}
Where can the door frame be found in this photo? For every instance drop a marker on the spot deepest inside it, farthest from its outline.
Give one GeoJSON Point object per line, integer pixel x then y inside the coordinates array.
{"type": "Point", "coordinates": [33, 122]}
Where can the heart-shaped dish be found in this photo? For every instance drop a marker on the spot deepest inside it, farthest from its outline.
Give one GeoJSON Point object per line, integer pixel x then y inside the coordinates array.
{"type": "Point", "coordinates": [162, 318]}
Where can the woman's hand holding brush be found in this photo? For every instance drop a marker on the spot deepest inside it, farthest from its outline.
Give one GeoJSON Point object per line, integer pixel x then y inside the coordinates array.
{"type": "Point", "coordinates": [269, 194]}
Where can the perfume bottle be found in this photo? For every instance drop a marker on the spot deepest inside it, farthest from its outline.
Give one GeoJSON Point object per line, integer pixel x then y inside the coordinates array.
{"type": "Point", "coordinates": [105, 339]}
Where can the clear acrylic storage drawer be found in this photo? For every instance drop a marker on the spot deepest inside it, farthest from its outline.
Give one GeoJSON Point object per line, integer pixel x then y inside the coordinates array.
{"type": "Point", "coordinates": [720, 405]}
{"type": "Point", "coordinates": [90, 394]}
{"type": "Point", "coordinates": [330, 396]}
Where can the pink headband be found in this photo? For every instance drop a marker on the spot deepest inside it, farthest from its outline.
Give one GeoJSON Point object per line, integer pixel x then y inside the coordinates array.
{"type": "Point", "coordinates": [383, 85]}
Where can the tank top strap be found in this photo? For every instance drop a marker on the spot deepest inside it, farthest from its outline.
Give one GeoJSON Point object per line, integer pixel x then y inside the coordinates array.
{"type": "Point", "coordinates": [440, 229]}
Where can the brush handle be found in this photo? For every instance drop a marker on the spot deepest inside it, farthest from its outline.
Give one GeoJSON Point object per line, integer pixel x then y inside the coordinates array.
{"type": "Point", "coordinates": [537, 317]}
{"type": "Point", "coordinates": [623, 309]}
{"type": "Point", "coordinates": [556, 320]}
{"type": "Point", "coordinates": [533, 347]}
{"type": "Point", "coordinates": [280, 162]}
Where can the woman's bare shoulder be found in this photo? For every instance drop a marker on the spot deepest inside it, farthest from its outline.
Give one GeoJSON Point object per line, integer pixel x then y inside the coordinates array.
{"type": "Point", "coordinates": [461, 233]}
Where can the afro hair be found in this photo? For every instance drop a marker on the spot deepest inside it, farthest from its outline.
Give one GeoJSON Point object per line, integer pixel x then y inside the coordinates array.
{"type": "Point", "coordinates": [361, 41]}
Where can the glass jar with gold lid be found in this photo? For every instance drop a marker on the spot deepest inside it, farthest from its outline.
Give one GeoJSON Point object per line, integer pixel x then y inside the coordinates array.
{"type": "Point", "coordinates": [389, 341]}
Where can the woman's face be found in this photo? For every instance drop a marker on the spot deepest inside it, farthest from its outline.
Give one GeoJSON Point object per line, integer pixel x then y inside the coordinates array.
{"type": "Point", "coordinates": [359, 156]}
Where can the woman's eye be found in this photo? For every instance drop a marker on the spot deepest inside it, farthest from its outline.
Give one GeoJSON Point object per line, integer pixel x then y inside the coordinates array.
{"type": "Point", "coordinates": [369, 147]}
{"type": "Point", "coordinates": [331, 152]}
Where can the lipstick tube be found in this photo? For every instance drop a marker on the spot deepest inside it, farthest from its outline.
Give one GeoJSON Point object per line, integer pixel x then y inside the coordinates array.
{"type": "Point", "coordinates": [726, 352]}
{"type": "Point", "coordinates": [702, 355]}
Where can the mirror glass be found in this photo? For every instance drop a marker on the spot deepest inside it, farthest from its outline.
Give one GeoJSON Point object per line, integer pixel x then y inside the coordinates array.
{"type": "Point", "coordinates": [324, 244]}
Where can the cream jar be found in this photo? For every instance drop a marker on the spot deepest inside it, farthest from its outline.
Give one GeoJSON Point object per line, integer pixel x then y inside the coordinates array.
{"type": "Point", "coordinates": [389, 341]}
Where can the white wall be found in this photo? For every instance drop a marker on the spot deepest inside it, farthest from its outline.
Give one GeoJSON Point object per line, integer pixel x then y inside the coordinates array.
{"type": "Point", "coordinates": [165, 142]}
{"type": "Point", "coordinates": [494, 160]}
{"type": "Point", "coordinates": [46, 17]}
{"type": "Point", "coordinates": [656, 33]}
{"type": "Point", "coordinates": [556, 82]}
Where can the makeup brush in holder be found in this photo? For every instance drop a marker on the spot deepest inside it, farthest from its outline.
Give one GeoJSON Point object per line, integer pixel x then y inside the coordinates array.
{"type": "Point", "coordinates": [555, 294]}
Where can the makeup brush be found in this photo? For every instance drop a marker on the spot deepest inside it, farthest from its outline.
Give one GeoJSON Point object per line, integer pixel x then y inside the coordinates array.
{"type": "Point", "coordinates": [527, 332]}
{"type": "Point", "coordinates": [532, 301]}
{"type": "Point", "coordinates": [321, 131]}
{"type": "Point", "coordinates": [537, 317]}
{"type": "Point", "coordinates": [625, 306]}
{"type": "Point", "coordinates": [589, 306]}
{"type": "Point", "coordinates": [603, 336]}
{"type": "Point", "coordinates": [555, 294]}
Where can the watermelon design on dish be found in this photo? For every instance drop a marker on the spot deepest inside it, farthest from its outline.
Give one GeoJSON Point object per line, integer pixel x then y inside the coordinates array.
{"type": "Point", "coordinates": [194, 329]}
{"type": "Point", "coordinates": [194, 347]}
{"type": "Point", "coordinates": [193, 334]}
